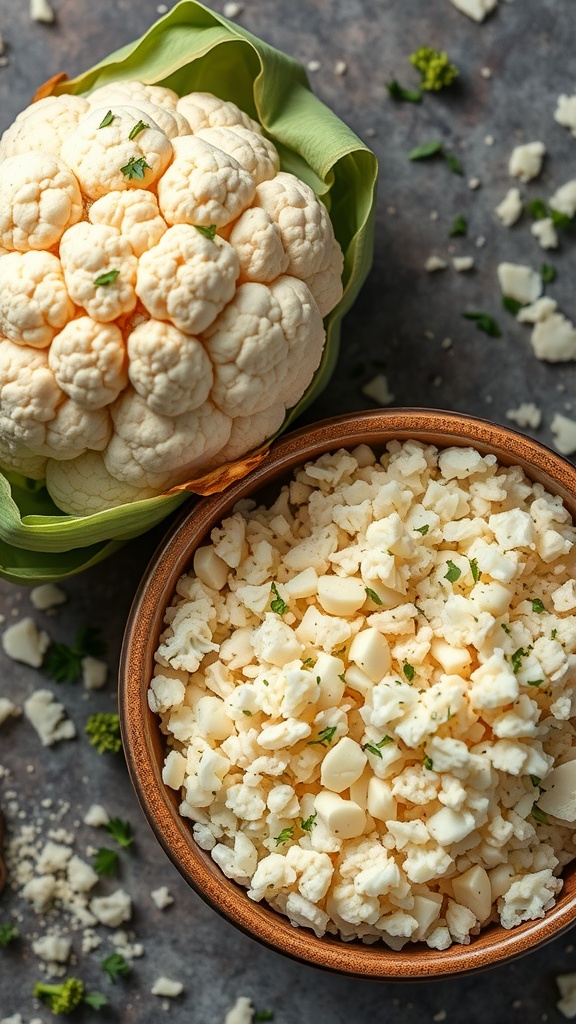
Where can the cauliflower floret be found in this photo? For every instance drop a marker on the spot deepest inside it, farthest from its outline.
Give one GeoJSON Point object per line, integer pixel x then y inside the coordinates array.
{"type": "Point", "coordinates": [203, 185]}
{"type": "Point", "coordinates": [135, 214]}
{"type": "Point", "coordinates": [248, 432]}
{"type": "Point", "coordinates": [204, 110]}
{"type": "Point", "coordinates": [83, 485]}
{"type": "Point", "coordinates": [40, 200]}
{"type": "Point", "coordinates": [99, 270]}
{"type": "Point", "coordinates": [88, 360]}
{"type": "Point", "coordinates": [268, 339]}
{"type": "Point", "coordinates": [326, 282]}
{"type": "Point", "coordinates": [73, 430]}
{"type": "Point", "coordinates": [106, 159]}
{"type": "Point", "coordinates": [34, 302]}
{"type": "Point", "coordinates": [187, 278]}
{"type": "Point", "coordinates": [257, 242]}
{"type": "Point", "coordinates": [43, 126]}
{"type": "Point", "coordinates": [146, 447]}
{"type": "Point", "coordinates": [133, 92]}
{"type": "Point", "coordinates": [29, 396]}
{"type": "Point", "coordinates": [528, 898]}
{"type": "Point", "coordinates": [171, 370]}
{"type": "Point", "coordinates": [253, 152]}
{"type": "Point", "coordinates": [305, 227]}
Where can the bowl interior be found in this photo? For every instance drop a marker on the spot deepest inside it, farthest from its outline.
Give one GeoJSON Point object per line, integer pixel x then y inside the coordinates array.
{"type": "Point", "coordinates": [144, 745]}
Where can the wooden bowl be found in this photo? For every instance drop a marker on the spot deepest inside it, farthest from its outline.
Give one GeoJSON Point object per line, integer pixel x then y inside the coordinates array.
{"type": "Point", "coordinates": [144, 744]}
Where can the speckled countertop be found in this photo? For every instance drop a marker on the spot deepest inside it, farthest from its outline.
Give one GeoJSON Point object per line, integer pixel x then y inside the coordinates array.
{"type": "Point", "coordinates": [398, 327]}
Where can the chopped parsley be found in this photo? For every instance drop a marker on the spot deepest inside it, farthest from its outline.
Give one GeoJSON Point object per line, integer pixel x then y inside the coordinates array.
{"type": "Point", "coordinates": [534, 682]}
{"type": "Point", "coordinates": [8, 932]}
{"type": "Point", "coordinates": [535, 781]}
{"type": "Point", "coordinates": [106, 120]}
{"type": "Point", "coordinates": [474, 569]}
{"type": "Point", "coordinates": [506, 628]}
{"type": "Point", "coordinates": [63, 662]}
{"type": "Point", "coordinates": [106, 862]}
{"type": "Point", "coordinates": [285, 836]}
{"type": "Point", "coordinates": [325, 737]}
{"type": "Point", "coordinates": [247, 713]}
{"type": "Point", "coordinates": [516, 659]}
{"type": "Point", "coordinates": [108, 278]}
{"type": "Point", "coordinates": [560, 220]}
{"type": "Point", "coordinates": [459, 227]}
{"type": "Point", "coordinates": [422, 529]}
{"type": "Point", "coordinates": [398, 92]}
{"type": "Point", "coordinates": [375, 748]}
{"type": "Point", "coordinates": [537, 605]}
{"type": "Point", "coordinates": [539, 816]}
{"type": "Point", "coordinates": [537, 208]}
{"type": "Point", "coordinates": [115, 966]}
{"type": "Point", "coordinates": [265, 682]}
{"type": "Point", "coordinates": [547, 273]}
{"type": "Point", "coordinates": [484, 323]}
{"type": "Point", "coordinates": [121, 831]}
{"type": "Point", "coordinates": [307, 824]}
{"type": "Point", "coordinates": [426, 150]}
{"type": "Point", "coordinates": [135, 168]}
{"type": "Point", "coordinates": [138, 127]}
{"type": "Point", "coordinates": [263, 1015]}
{"type": "Point", "coordinates": [553, 634]}
{"type": "Point", "coordinates": [512, 305]}
{"type": "Point", "coordinates": [277, 604]}
{"type": "Point", "coordinates": [448, 714]}
{"type": "Point", "coordinates": [373, 595]}
{"type": "Point", "coordinates": [454, 573]}
{"type": "Point", "coordinates": [408, 671]}
{"type": "Point", "coordinates": [454, 164]}
{"type": "Point", "coordinates": [428, 763]}
{"type": "Point", "coordinates": [209, 232]}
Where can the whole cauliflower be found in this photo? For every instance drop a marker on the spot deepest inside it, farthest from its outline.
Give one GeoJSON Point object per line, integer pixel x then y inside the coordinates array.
{"type": "Point", "coordinates": [162, 289]}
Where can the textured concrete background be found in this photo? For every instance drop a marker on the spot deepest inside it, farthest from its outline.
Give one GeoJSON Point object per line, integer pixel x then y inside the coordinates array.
{"type": "Point", "coordinates": [396, 327]}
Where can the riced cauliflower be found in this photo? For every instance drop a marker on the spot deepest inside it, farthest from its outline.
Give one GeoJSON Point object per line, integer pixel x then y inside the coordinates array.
{"type": "Point", "coordinates": [367, 690]}
{"type": "Point", "coordinates": [163, 285]}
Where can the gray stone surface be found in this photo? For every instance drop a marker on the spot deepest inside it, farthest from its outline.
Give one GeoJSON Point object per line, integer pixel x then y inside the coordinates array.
{"type": "Point", "coordinates": [529, 47]}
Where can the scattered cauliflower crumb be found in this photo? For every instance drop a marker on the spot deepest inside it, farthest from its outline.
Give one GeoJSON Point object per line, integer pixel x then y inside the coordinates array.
{"type": "Point", "coordinates": [378, 390]}
{"type": "Point", "coordinates": [545, 233]}
{"type": "Point", "coordinates": [96, 816]}
{"type": "Point", "coordinates": [47, 596]}
{"type": "Point", "coordinates": [167, 987]}
{"type": "Point", "coordinates": [565, 113]}
{"type": "Point", "coordinates": [7, 710]}
{"type": "Point", "coordinates": [567, 1003]}
{"type": "Point", "coordinates": [162, 897]}
{"type": "Point", "coordinates": [564, 431]}
{"type": "Point", "coordinates": [40, 10]}
{"type": "Point", "coordinates": [94, 673]}
{"type": "Point", "coordinates": [434, 263]}
{"type": "Point", "coordinates": [112, 910]}
{"type": "Point", "coordinates": [48, 717]}
{"type": "Point", "coordinates": [475, 9]}
{"type": "Point", "coordinates": [25, 642]}
{"type": "Point", "coordinates": [232, 9]}
{"type": "Point", "coordinates": [526, 160]}
{"type": "Point", "coordinates": [526, 415]}
{"type": "Point", "coordinates": [463, 263]}
{"type": "Point", "coordinates": [519, 282]}
{"type": "Point", "coordinates": [510, 209]}
{"type": "Point", "coordinates": [241, 1013]}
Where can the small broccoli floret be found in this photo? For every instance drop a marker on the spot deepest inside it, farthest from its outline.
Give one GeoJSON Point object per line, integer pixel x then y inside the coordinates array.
{"type": "Point", "coordinates": [434, 66]}
{"type": "Point", "coordinates": [103, 731]}
{"type": "Point", "coordinates": [61, 998]}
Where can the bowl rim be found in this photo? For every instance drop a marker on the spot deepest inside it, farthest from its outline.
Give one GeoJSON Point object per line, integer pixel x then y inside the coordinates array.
{"type": "Point", "coordinates": [156, 589]}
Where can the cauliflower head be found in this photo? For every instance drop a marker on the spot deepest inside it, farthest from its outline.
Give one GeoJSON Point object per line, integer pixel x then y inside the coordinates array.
{"type": "Point", "coordinates": [163, 285]}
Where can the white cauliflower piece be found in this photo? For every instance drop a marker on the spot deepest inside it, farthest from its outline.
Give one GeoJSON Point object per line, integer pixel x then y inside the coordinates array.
{"type": "Point", "coordinates": [204, 110]}
{"type": "Point", "coordinates": [187, 278]}
{"type": "Point", "coordinates": [88, 360]}
{"type": "Point", "coordinates": [44, 126]}
{"type": "Point", "coordinates": [73, 430]}
{"type": "Point", "coordinates": [133, 92]}
{"type": "Point", "coordinates": [269, 339]}
{"type": "Point", "coordinates": [528, 898]}
{"type": "Point", "coordinates": [147, 448]}
{"type": "Point", "coordinates": [29, 396]}
{"type": "Point", "coordinates": [249, 432]}
{"type": "Point", "coordinates": [83, 485]}
{"type": "Point", "coordinates": [105, 159]}
{"type": "Point", "coordinates": [40, 200]}
{"type": "Point", "coordinates": [134, 213]}
{"type": "Point", "coordinates": [254, 153]}
{"type": "Point", "coordinates": [48, 717]}
{"type": "Point", "coordinates": [203, 185]}
{"type": "Point", "coordinates": [305, 227]}
{"type": "Point", "coordinates": [34, 302]}
{"type": "Point", "coordinates": [171, 370]}
{"type": "Point", "coordinates": [326, 282]}
{"type": "Point", "coordinates": [272, 874]}
{"type": "Point", "coordinates": [257, 242]}
{"type": "Point", "coordinates": [99, 270]}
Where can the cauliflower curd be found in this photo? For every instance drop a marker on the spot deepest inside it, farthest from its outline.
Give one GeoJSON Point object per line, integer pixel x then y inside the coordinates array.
{"type": "Point", "coordinates": [368, 695]}
{"type": "Point", "coordinates": [162, 289]}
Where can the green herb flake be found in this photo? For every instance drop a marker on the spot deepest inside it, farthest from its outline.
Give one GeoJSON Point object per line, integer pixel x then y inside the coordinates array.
{"type": "Point", "coordinates": [247, 713]}
{"type": "Point", "coordinates": [428, 763]}
{"type": "Point", "coordinates": [398, 92]}
{"type": "Point", "coordinates": [534, 682]}
{"type": "Point", "coordinates": [373, 595]}
{"type": "Point", "coordinates": [560, 220]}
{"type": "Point", "coordinates": [453, 163]}
{"type": "Point", "coordinates": [136, 168]}
{"type": "Point", "coordinates": [63, 662]}
{"type": "Point", "coordinates": [484, 323]}
{"type": "Point", "coordinates": [375, 748]}
{"type": "Point", "coordinates": [106, 862]}
{"type": "Point", "coordinates": [265, 682]}
{"type": "Point", "coordinates": [96, 1000]}
{"type": "Point", "coordinates": [454, 573]}
{"type": "Point", "coordinates": [537, 605]}
{"type": "Point", "coordinates": [408, 671]}
{"type": "Point", "coordinates": [553, 634]}
{"type": "Point", "coordinates": [537, 208]}
{"type": "Point", "coordinates": [474, 569]}
{"type": "Point", "coordinates": [516, 659]}
{"type": "Point", "coordinates": [285, 836]}
{"type": "Point", "coordinates": [459, 227]}
{"type": "Point", "coordinates": [121, 831]}
{"type": "Point", "coordinates": [277, 604]}
{"type": "Point", "coordinates": [8, 933]}
{"type": "Point", "coordinates": [448, 714]}
{"type": "Point", "coordinates": [506, 628]}
{"type": "Point", "coordinates": [106, 120]}
{"type": "Point", "coordinates": [307, 824]}
{"type": "Point", "coordinates": [325, 737]}
{"type": "Point", "coordinates": [263, 1015]}
{"type": "Point", "coordinates": [423, 530]}
{"type": "Point", "coordinates": [138, 127]}
{"type": "Point", "coordinates": [209, 232]}
{"type": "Point", "coordinates": [426, 150]}
{"type": "Point", "coordinates": [539, 816]}
{"type": "Point", "coordinates": [512, 305]}
{"type": "Point", "coordinates": [115, 966]}
{"type": "Point", "coordinates": [547, 273]}
{"type": "Point", "coordinates": [537, 783]}
{"type": "Point", "coordinates": [105, 279]}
